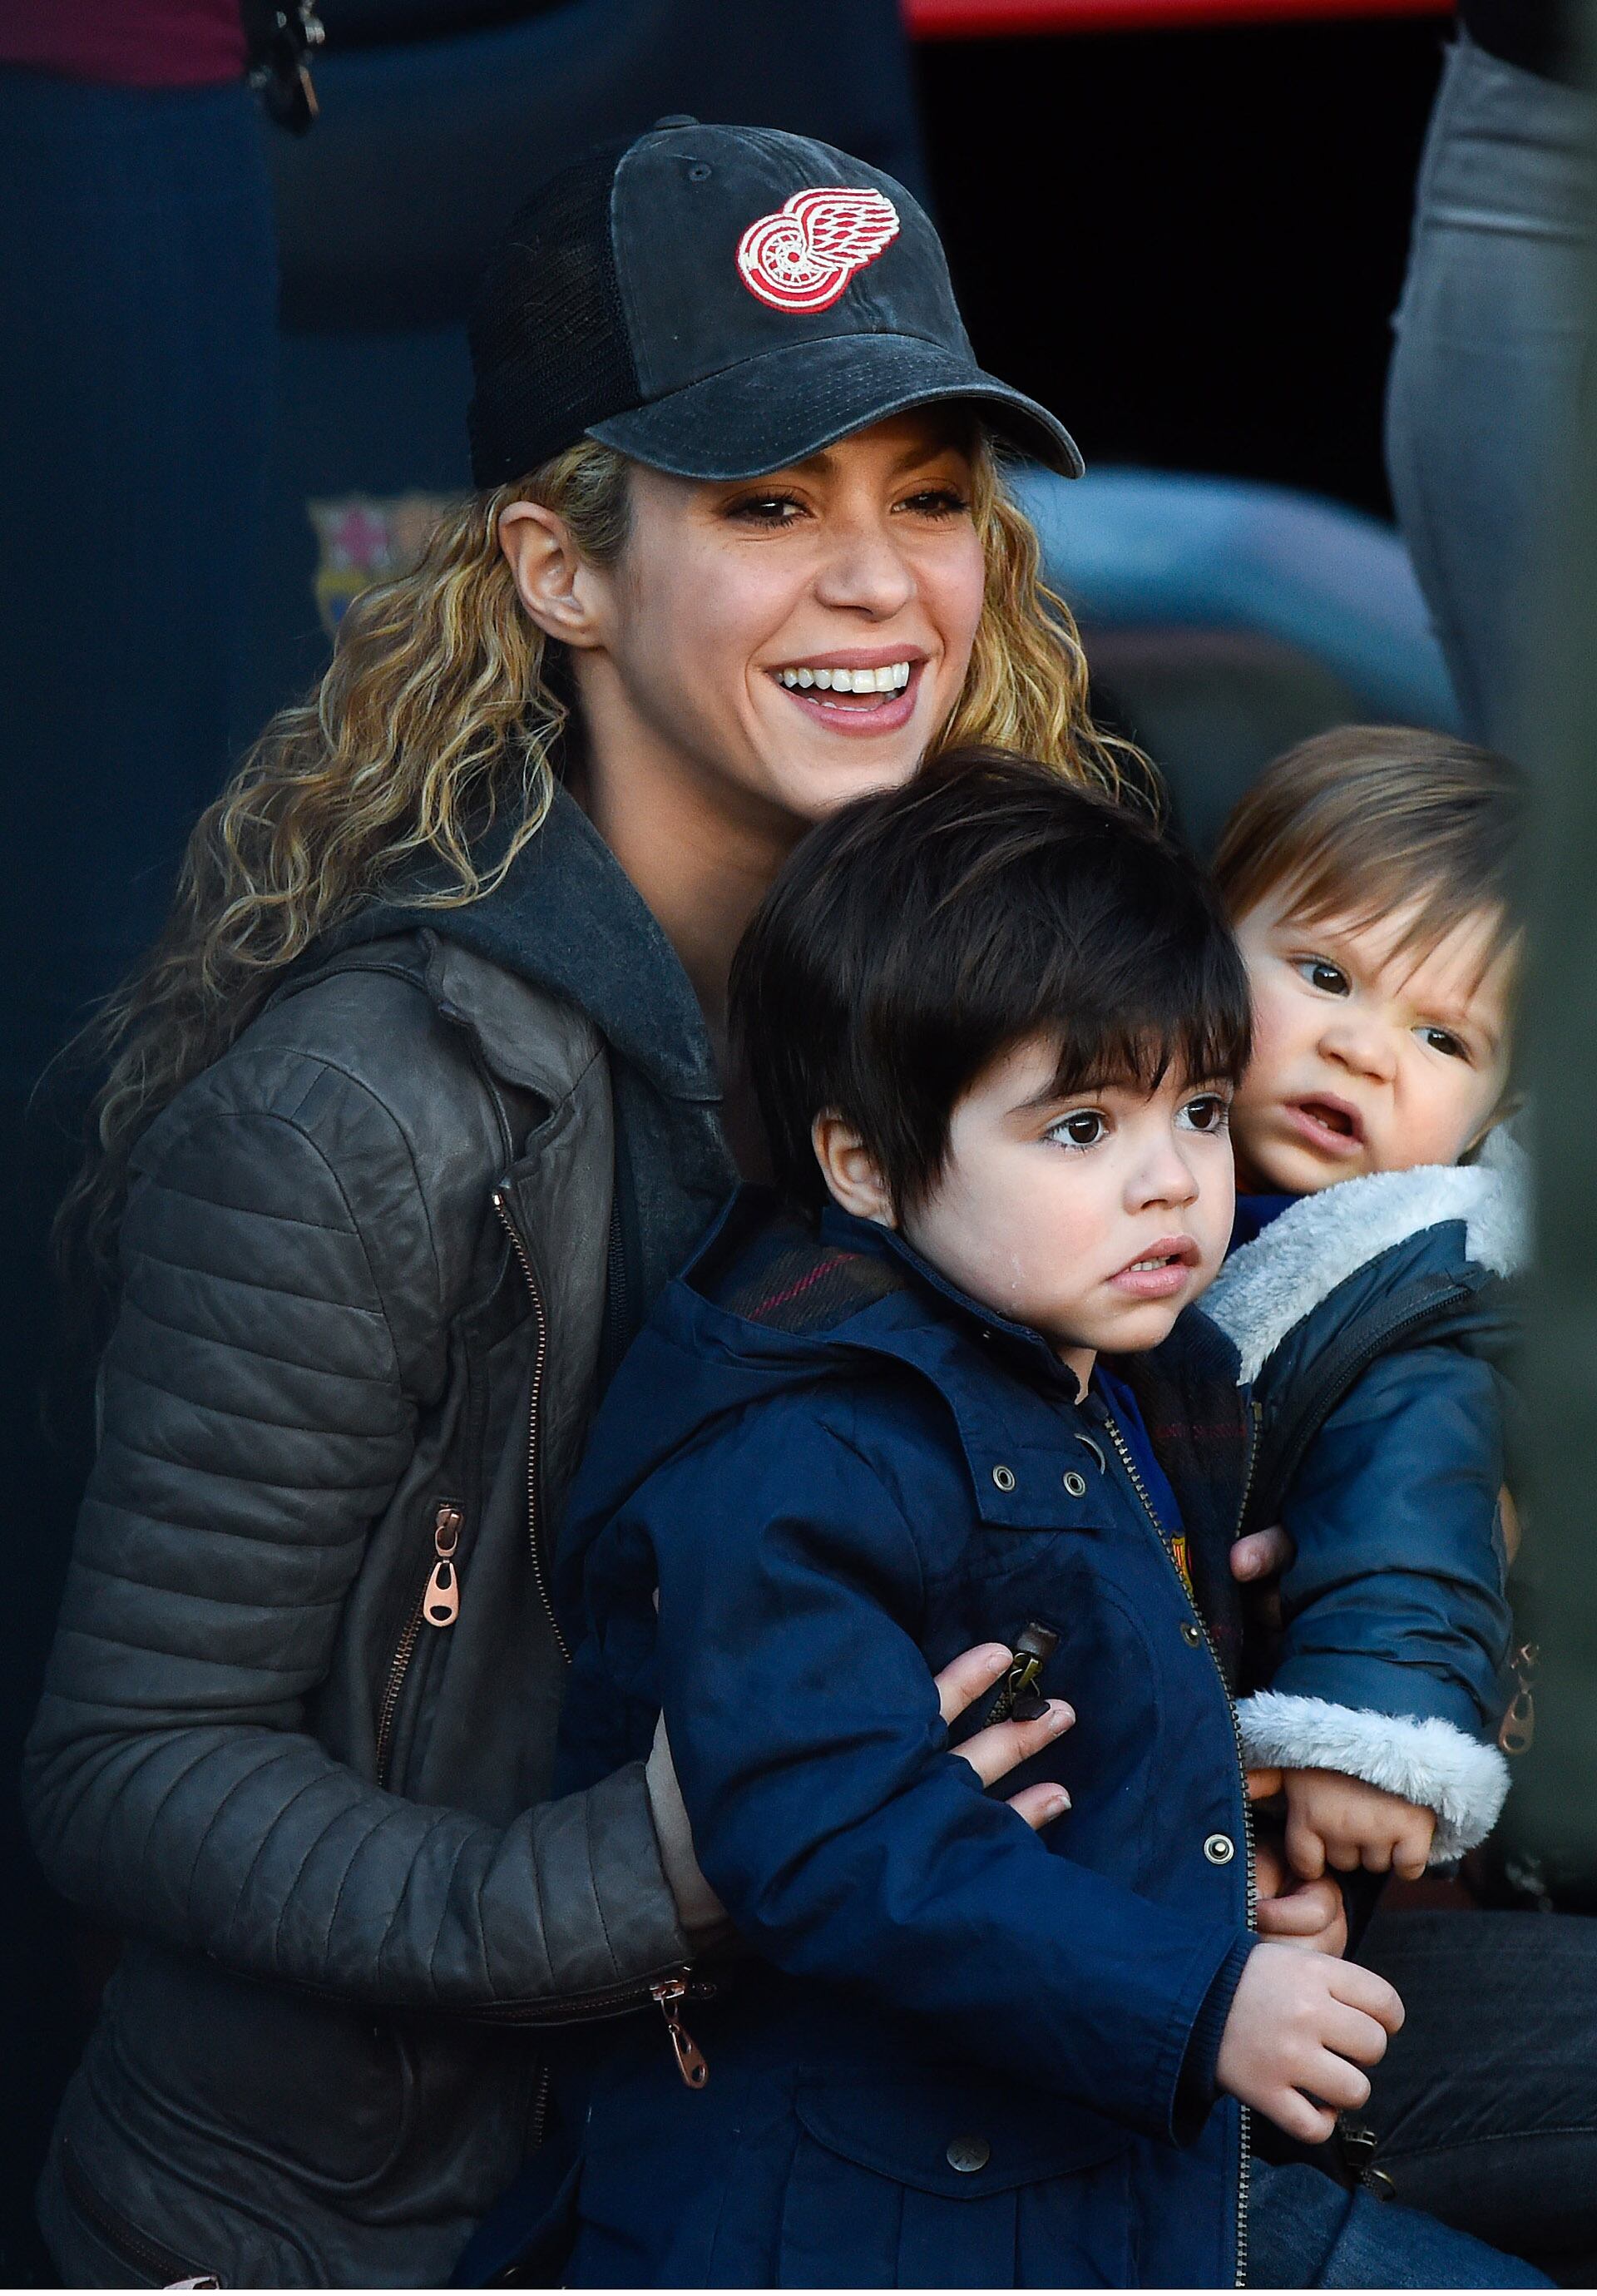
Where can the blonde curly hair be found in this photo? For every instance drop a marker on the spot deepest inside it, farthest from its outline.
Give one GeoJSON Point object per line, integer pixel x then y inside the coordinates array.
{"type": "Point", "coordinates": [441, 712]}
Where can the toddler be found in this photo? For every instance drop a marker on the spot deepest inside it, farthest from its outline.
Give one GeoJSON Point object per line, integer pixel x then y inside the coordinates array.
{"type": "Point", "coordinates": [1369, 876]}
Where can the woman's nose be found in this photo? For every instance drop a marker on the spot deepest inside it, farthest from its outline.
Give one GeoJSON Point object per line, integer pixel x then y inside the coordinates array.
{"type": "Point", "coordinates": [865, 572]}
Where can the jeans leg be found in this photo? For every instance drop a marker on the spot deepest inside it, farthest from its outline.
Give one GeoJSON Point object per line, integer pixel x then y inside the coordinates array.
{"type": "Point", "coordinates": [1305, 2232]}
{"type": "Point", "coordinates": [1489, 368]}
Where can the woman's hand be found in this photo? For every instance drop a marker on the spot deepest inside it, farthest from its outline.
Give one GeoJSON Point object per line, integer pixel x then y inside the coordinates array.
{"type": "Point", "coordinates": [1002, 1746]}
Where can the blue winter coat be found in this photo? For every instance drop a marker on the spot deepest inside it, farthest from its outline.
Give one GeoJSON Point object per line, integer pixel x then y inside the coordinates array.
{"type": "Point", "coordinates": [1374, 1320]}
{"type": "Point", "coordinates": [957, 2052]}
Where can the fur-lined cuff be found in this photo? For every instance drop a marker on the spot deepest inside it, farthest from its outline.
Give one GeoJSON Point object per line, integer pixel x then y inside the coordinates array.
{"type": "Point", "coordinates": [1431, 1763]}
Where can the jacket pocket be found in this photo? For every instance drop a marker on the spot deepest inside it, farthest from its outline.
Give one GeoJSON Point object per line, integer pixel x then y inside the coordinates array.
{"type": "Point", "coordinates": [146, 2261]}
{"type": "Point", "coordinates": [953, 2183]}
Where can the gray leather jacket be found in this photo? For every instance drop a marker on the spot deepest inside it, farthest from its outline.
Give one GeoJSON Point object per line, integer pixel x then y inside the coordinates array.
{"type": "Point", "coordinates": [298, 1723]}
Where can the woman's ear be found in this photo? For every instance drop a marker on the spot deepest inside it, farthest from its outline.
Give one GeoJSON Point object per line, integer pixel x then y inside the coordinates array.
{"type": "Point", "coordinates": [850, 1171]}
{"type": "Point", "coordinates": [554, 581]}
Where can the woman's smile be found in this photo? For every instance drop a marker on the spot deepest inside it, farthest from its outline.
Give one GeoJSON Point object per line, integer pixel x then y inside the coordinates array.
{"type": "Point", "coordinates": [861, 690]}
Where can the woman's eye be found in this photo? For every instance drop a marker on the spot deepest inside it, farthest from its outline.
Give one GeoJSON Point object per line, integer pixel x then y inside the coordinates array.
{"type": "Point", "coordinates": [936, 502]}
{"type": "Point", "coordinates": [1320, 973]}
{"type": "Point", "coordinates": [1443, 1040]}
{"type": "Point", "coordinates": [1208, 1113]}
{"type": "Point", "coordinates": [1085, 1129]}
{"type": "Point", "coordinates": [766, 510]}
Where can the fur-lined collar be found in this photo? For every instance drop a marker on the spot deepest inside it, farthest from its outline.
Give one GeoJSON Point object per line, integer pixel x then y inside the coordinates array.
{"type": "Point", "coordinates": [1269, 1286]}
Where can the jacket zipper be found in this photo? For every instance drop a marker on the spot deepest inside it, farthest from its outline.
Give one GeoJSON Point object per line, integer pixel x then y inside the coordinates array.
{"type": "Point", "coordinates": [1244, 2125]}
{"type": "Point", "coordinates": [170, 2270]}
{"type": "Point", "coordinates": [533, 1404]}
{"type": "Point", "coordinates": [436, 1605]}
{"type": "Point", "coordinates": [667, 1994]}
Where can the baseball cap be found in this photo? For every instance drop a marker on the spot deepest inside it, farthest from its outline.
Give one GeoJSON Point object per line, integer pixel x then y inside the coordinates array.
{"type": "Point", "coordinates": [720, 302]}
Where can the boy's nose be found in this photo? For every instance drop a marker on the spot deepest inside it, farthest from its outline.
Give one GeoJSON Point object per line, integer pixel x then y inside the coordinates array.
{"type": "Point", "coordinates": [1166, 1178]}
{"type": "Point", "coordinates": [1364, 1046]}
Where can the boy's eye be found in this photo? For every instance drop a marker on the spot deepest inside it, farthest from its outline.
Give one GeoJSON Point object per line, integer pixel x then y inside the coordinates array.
{"type": "Point", "coordinates": [1443, 1040]}
{"type": "Point", "coordinates": [1320, 973]}
{"type": "Point", "coordinates": [1208, 1113]}
{"type": "Point", "coordinates": [1083, 1129]}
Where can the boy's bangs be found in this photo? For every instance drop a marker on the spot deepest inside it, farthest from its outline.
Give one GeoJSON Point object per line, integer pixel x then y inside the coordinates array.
{"type": "Point", "coordinates": [1195, 1048]}
{"type": "Point", "coordinates": [1320, 896]}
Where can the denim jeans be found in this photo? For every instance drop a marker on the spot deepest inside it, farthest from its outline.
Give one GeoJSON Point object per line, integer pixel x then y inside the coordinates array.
{"type": "Point", "coordinates": [1489, 369]}
{"type": "Point", "coordinates": [1485, 2103]}
{"type": "Point", "coordinates": [1304, 2231]}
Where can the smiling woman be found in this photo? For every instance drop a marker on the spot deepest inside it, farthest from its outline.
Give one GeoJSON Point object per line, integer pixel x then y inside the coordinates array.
{"type": "Point", "coordinates": [412, 1112]}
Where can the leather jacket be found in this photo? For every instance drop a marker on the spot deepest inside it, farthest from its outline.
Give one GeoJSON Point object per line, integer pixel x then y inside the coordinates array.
{"type": "Point", "coordinates": [297, 1728]}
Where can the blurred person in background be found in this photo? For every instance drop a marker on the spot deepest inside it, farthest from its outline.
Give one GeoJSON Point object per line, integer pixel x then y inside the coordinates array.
{"type": "Point", "coordinates": [1490, 365]}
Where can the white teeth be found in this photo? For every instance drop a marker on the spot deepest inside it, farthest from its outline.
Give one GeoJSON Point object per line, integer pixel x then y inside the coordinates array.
{"type": "Point", "coordinates": [892, 677]}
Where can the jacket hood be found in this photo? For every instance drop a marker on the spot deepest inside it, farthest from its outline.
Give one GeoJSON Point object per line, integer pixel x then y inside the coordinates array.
{"type": "Point", "coordinates": [1441, 1217]}
{"type": "Point", "coordinates": [567, 918]}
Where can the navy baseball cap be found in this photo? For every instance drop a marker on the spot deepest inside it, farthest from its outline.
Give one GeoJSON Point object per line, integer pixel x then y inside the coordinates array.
{"type": "Point", "coordinates": [720, 302]}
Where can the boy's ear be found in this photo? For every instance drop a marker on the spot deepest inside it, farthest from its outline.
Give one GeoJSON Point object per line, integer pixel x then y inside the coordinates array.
{"type": "Point", "coordinates": [850, 1169]}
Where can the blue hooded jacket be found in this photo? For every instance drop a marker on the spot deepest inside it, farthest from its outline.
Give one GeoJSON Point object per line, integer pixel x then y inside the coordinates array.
{"type": "Point", "coordinates": [954, 2052]}
{"type": "Point", "coordinates": [1375, 1321]}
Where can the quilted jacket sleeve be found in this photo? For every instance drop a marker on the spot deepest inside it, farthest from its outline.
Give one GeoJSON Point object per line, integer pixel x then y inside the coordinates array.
{"type": "Point", "coordinates": [261, 1395]}
{"type": "Point", "coordinates": [1397, 1622]}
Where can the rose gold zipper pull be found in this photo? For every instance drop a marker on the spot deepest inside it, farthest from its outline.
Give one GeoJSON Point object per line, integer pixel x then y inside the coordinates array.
{"type": "Point", "coordinates": [690, 2059]}
{"type": "Point", "coordinates": [440, 1604]}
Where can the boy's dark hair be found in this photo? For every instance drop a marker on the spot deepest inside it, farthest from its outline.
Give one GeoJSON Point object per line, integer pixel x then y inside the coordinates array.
{"type": "Point", "coordinates": [914, 938]}
{"type": "Point", "coordinates": [1366, 820]}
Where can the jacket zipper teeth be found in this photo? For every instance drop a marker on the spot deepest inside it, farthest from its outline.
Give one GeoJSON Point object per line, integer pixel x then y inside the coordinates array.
{"type": "Point", "coordinates": [1244, 2128]}
{"type": "Point", "coordinates": [173, 2270]}
{"type": "Point", "coordinates": [611, 2000]}
{"type": "Point", "coordinates": [446, 1523]}
{"type": "Point", "coordinates": [534, 1399]}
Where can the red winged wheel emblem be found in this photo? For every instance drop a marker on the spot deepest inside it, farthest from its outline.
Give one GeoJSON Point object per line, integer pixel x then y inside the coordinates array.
{"type": "Point", "coordinates": [802, 256]}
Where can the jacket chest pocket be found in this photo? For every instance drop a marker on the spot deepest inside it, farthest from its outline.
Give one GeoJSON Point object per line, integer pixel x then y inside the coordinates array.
{"type": "Point", "coordinates": [954, 2184]}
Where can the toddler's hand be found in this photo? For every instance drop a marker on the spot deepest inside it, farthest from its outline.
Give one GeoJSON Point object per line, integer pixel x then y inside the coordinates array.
{"type": "Point", "coordinates": [1310, 1913]}
{"type": "Point", "coordinates": [1300, 2027]}
{"type": "Point", "coordinates": [1332, 1820]}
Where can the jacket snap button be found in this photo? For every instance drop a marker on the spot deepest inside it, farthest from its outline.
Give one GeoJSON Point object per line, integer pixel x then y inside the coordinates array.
{"type": "Point", "coordinates": [1219, 1849]}
{"type": "Point", "coordinates": [1004, 1477]}
{"type": "Point", "coordinates": [969, 2154]}
{"type": "Point", "coordinates": [1077, 1485]}
{"type": "Point", "coordinates": [1191, 1634]}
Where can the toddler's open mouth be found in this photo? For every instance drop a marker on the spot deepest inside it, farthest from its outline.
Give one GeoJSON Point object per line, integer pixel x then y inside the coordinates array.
{"type": "Point", "coordinates": [1327, 1122]}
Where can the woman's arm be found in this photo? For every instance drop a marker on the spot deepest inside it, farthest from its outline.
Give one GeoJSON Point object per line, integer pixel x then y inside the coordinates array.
{"type": "Point", "coordinates": [260, 1411]}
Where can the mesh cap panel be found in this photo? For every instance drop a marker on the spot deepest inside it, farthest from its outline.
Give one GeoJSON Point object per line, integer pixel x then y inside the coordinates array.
{"type": "Point", "coordinates": [548, 337]}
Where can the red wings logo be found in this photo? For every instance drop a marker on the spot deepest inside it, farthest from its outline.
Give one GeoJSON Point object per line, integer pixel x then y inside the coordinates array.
{"type": "Point", "coordinates": [801, 258]}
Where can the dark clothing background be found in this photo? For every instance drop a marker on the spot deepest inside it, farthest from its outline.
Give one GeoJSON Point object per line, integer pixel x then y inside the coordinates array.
{"type": "Point", "coordinates": [137, 277]}
{"type": "Point", "coordinates": [1536, 34]}
{"type": "Point", "coordinates": [157, 43]}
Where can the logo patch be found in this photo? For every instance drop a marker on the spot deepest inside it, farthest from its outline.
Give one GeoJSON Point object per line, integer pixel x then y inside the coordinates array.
{"type": "Point", "coordinates": [366, 538]}
{"type": "Point", "coordinates": [802, 256]}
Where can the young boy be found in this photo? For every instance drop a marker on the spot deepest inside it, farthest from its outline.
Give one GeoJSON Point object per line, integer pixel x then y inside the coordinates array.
{"type": "Point", "coordinates": [1370, 878]}
{"type": "Point", "coordinates": [993, 1025]}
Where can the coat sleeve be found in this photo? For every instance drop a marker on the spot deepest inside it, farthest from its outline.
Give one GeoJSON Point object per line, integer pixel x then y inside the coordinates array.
{"type": "Point", "coordinates": [846, 1840]}
{"type": "Point", "coordinates": [1397, 1619]}
{"type": "Point", "coordinates": [258, 1413]}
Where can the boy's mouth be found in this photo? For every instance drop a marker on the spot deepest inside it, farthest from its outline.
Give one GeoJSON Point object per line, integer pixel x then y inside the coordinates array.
{"type": "Point", "coordinates": [1327, 1123]}
{"type": "Point", "coordinates": [1161, 1271]}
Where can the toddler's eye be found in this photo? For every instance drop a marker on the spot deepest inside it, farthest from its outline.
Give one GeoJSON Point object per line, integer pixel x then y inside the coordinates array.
{"type": "Point", "coordinates": [1208, 1113]}
{"type": "Point", "coordinates": [1443, 1040]}
{"type": "Point", "coordinates": [1320, 973]}
{"type": "Point", "coordinates": [1085, 1129]}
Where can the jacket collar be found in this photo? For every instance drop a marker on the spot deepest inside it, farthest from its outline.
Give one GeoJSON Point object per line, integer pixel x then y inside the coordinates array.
{"type": "Point", "coordinates": [568, 919]}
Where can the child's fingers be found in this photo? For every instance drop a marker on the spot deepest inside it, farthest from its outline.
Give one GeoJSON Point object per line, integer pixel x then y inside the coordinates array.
{"type": "Point", "coordinates": [1261, 1553]}
{"type": "Point", "coordinates": [1411, 1851]}
{"type": "Point", "coordinates": [1306, 1852]}
{"type": "Point", "coordinates": [1309, 2123]}
{"type": "Point", "coordinates": [1290, 1917]}
{"type": "Point", "coordinates": [964, 1678]}
{"type": "Point", "coordinates": [1002, 1746]}
{"type": "Point", "coordinates": [1361, 1988]}
{"type": "Point", "coordinates": [1040, 1805]}
{"type": "Point", "coordinates": [1261, 1784]}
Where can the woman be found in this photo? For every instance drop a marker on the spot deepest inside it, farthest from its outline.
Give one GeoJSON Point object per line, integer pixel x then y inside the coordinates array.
{"type": "Point", "coordinates": [412, 1109]}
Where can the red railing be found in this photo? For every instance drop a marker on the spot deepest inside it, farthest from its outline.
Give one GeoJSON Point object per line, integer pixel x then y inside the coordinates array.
{"type": "Point", "coordinates": [955, 20]}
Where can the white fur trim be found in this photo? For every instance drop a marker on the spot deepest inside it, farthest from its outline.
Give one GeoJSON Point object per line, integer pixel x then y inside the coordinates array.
{"type": "Point", "coordinates": [1431, 1762]}
{"type": "Point", "coordinates": [1271, 1284]}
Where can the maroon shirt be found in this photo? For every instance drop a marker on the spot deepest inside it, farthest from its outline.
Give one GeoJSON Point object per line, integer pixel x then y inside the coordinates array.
{"type": "Point", "coordinates": [131, 43]}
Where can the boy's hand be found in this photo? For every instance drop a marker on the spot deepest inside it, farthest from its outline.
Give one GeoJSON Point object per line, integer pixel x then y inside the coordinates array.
{"type": "Point", "coordinates": [1300, 2027]}
{"type": "Point", "coordinates": [1309, 1914]}
{"type": "Point", "coordinates": [1002, 1746]}
{"type": "Point", "coordinates": [1338, 1821]}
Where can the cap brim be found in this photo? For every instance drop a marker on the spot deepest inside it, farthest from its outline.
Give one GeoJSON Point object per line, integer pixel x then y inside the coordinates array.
{"type": "Point", "coordinates": [767, 413]}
